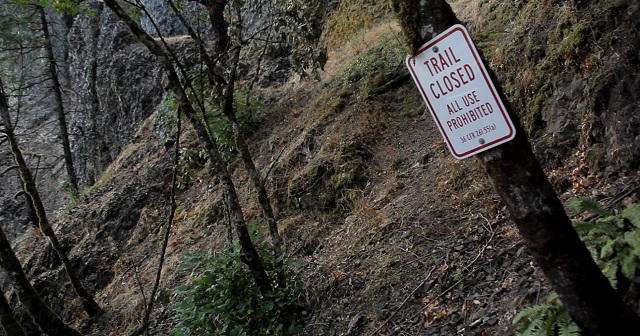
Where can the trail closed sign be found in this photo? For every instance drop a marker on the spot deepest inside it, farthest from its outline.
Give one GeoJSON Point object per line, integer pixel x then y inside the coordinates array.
{"type": "Point", "coordinates": [460, 94]}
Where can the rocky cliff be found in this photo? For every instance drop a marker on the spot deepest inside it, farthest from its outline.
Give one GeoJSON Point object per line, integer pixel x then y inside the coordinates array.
{"type": "Point", "coordinates": [117, 84]}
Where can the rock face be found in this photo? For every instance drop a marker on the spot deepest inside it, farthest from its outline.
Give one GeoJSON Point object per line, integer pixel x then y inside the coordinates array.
{"type": "Point", "coordinates": [36, 128]}
{"type": "Point", "coordinates": [616, 94]}
{"type": "Point", "coordinates": [168, 23]}
{"type": "Point", "coordinates": [117, 84]}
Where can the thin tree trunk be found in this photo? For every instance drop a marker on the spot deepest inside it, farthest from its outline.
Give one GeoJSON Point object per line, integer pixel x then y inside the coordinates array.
{"type": "Point", "coordinates": [534, 206]}
{"type": "Point", "coordinates": [254, 175]}
{"type": "Point", "coordinates": [249, 253]}
{"type": "Point", "coordinates": [9, 323]}
{"type": "Point", "coordinates": [229, 112]}
{"type": "Point", "coordinates": [42, 315]}
{"type": "Point", "coordinates": [30, 188]}
{"type": "Point", "coordinates": [58, 106]}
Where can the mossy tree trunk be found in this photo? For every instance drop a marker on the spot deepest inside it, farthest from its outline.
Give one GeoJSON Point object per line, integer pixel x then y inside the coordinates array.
{"type": "Point", "coordinates": [30, 188]}
{"type": "Point", "coordinates": [9, 323]}
{"type": "Point", "coordinates": [518, 178]}
{"type": "Point", "coordinates": [229, 110]}
{"type": "Point", "coordinates": [249, 253]}
{"type": "Point", "coordinates": [219, 26]}
{"type": "Point", "coordinates": [42, 315]}
{"type": "Point", "coordinates": [226, 89]}
{"type": "Point", "coordinates": [58, 105]}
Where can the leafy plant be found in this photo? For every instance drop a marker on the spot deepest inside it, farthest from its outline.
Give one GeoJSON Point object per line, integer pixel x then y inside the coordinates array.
{"type": "Point", "coordinates": [614, 240]}
{"type": "Point", "coordinates": [377, 65]}
{"type": "Point", "coordinates": [166, 116]}
{"type": "Point", "coordinates": [614, 243]}
{"type": "Point", "coordinates": [550, 318]}
{"type": "Point", "coordinates": [247, 109]}
{"type": "Point", "coordinates": [223, 300]}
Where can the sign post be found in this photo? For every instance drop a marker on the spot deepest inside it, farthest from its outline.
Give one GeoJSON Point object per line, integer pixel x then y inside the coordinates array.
{"type": "Point", "coordinates": [514, 172]}
{"type": "Point", "coordinates": [460, 94]}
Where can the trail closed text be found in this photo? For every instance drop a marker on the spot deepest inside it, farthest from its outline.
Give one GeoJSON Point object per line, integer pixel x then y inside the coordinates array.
{"type": "Point", "coordinates": [459, 93]}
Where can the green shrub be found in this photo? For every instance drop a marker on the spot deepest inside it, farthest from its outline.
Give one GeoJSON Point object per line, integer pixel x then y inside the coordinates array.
{"type": "Point", "coordinates": [386, 58]}
{"type": "Point", "coordinates": [166, 118]}
{"type": "Point", "coordinates": [248, 110]}
{"type": "Point", "coordinates": [550, 318]}
{"type": "Point", "coordinates": [224, 300]}
{"type": "Point", "coordinates": [378, 65]}
{"type": "Point", "coordinates": [614, 240]}
{"type": "Point", "coordinates": [614, 243]}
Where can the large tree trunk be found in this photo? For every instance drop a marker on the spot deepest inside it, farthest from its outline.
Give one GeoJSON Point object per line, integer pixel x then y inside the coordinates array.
{"type": "Point", "coordinates": [535, 208]}
{"type": "Point", "coordinates": [30, 188]}
{"type": "Point", "coordinates": [58, 106]}
{"type": "Point", "coordinates": [9, 323]}
{"type": "Point", "coordinates": [249, 253]}
{"type": "Point", "coordinates": [42, 315]}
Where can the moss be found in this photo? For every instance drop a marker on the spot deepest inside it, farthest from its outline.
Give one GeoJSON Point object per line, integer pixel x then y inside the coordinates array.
{"type": "Point", "coordinates": [345, 179]}
{"type": "Point", "coordinates": [351, 18]}
{"type": "Point", "coordinates": [406, 13]}
{"type": "Point", "coordinates": [595, 156]}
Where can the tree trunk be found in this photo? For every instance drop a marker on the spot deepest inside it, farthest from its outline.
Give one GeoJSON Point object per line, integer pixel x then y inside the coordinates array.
{"type": "Point", "coordinates": [254, 175]}
{"type": "Point", "coordinates": [9, 323]}
{"type": "Point", "coordinates": [30, 188]}
{"type": "Point", "coordinates": [227, 109]}
{"type": "Point", "coordinates": [249, 253]}
{"type": "Point", "coordinates": [536, 210]}
{"type": "Point", "coordinates": [215, 8]}
{"type": "Point", "coordinates": [59, 106]}
{"type": "Point", "coordinates": [42, 315]}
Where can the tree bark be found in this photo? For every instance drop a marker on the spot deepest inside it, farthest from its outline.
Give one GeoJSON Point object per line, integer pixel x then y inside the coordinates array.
{"type": "Point", "coordinates": [254, 175]}
{"type": "Point", "coordinates": [249, 253]}
{"type": "Point", "coordinates": [241, 143]}
{"type": "Point", "coordinates": [59, 105]}
{"type": "Point", "coordinates": [30, 188]}
{"type": "Point", "coordinates": [9, 323]}
{"type": "Point", "coordinates": [215, 8]}
{"type": "Point", "coordinates": [534, 206]}
{"type": "Point", "coordinates": [42, 315]}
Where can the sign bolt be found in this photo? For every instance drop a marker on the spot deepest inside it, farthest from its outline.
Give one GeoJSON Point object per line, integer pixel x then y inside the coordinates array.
{"type": "Point", "coordinates": [481, 141]}
{"type": "Point", "coordinates": [435, 49]}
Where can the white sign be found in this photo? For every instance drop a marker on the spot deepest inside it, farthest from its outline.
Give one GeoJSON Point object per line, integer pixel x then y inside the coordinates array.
{"type": "Point", "coordinates": [460, 95]}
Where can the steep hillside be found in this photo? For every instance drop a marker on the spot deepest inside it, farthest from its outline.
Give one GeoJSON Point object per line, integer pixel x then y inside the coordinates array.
{"type": "Point", "coordinates": [396, 237]}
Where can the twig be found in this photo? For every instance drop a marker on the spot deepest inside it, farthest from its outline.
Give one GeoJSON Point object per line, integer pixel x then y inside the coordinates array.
{"type": "Point", "coordinates": [622, 195]}
{"type": "Point", "coordinates": [403, 302]}
{"type": "Point", "coordinates": [137, 272]}
{"type": "Point", "coordinates": [165, 242]}
{"type": "Point", "coordinates": [273, 164]}
{"type": "Point", "coordinates": [463, 270]}
{"type": "Point", "coordinates": [6, 170]}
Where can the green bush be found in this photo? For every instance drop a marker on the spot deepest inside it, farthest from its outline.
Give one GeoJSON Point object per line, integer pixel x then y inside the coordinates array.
{"type": "Point", "coordinates": [614, 240]}
{"type": "Point", "coordinates": [614, 243]}
{"type": "Point", "coordinates": [248, 110]}
{"type": "Point", "coordinates": [384, 60]}
{"type": "Point", "coordinates": [550, 318]}
{"type": "Point", "coordinates": [224, 300]}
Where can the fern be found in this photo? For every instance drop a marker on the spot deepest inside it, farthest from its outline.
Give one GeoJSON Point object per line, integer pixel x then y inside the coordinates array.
{"type": "Point", "coordinates": [548, 319]}
{"type": "Point", "coordinates": [580, 204]}
{"type": "Point", "coordinates": [566, 326]}
{"type": "Point", "coordinates": [610, 270]}
{"type": "Point", "coordinates": [632, 213]}
{"type": "Point", "coordinates": [614, 242]}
